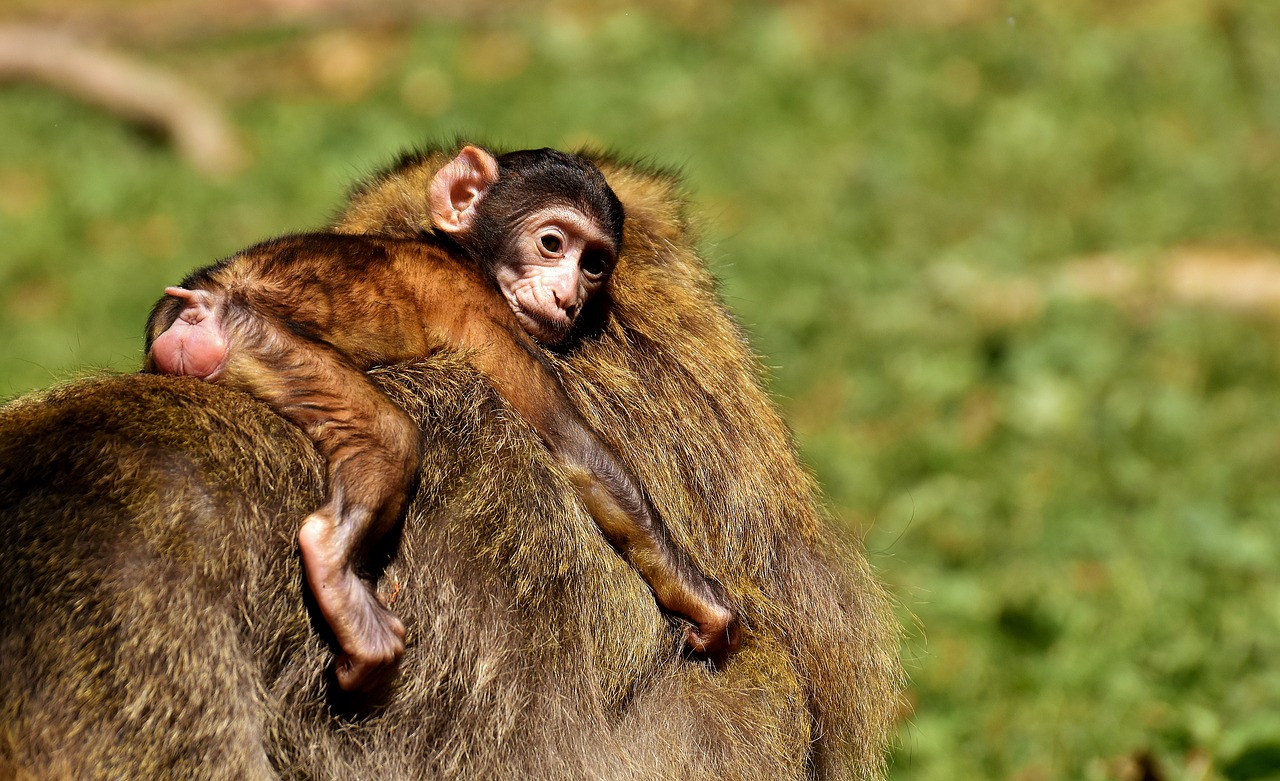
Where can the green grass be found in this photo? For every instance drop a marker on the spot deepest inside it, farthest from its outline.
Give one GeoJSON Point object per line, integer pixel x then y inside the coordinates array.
{"type": "Point", "coordinates": [1074, 502]}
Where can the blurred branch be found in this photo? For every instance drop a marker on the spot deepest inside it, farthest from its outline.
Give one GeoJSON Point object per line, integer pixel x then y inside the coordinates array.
{"type": "Point", "coordinates": [1243, 280]}
{"type": "Point", "coordinates": [135, 90]}
{"type": "Point", "coordinates": [171, 22]}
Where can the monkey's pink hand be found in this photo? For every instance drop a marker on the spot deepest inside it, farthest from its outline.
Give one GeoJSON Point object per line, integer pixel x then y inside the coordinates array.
{"type": "Point", "coordinates": [716, 638]}
{"type": "Point", "coordinates": [371, 637]}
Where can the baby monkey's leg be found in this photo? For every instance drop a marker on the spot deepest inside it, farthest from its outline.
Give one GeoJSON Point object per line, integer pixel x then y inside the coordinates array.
{"type": "Point", "coordinates": [614, 499]}
{"type": "Point", "coordinates": [613, 496]}
{"type": "Point", "coordinates": [372, 449]}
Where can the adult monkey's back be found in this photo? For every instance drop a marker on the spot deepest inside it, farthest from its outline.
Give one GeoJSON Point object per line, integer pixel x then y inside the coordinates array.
{"type": "Point", "coordinates": [533, 648]}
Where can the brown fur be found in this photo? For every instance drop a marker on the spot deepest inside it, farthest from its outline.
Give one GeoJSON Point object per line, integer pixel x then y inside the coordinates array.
{"type": "Point", "coordinates": [534, 651]}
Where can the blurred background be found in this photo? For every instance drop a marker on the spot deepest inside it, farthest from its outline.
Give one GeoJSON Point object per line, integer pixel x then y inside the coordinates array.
{"type": "Point", "coordinates": [1015, 268]}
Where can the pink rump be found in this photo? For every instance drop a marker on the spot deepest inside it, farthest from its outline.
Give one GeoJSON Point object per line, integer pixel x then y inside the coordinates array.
{"type": "Point", "coordinates": [195, 345]}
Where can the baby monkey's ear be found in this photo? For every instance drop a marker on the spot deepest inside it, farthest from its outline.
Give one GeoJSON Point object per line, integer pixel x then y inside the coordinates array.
{"type": "Point", "coordinates": [458, 187]}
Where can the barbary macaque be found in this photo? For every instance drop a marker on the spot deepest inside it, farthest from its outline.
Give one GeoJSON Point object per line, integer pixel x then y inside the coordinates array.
{"type": "Point", "coordinates": [153, 621]}
{"type": "Point", "coordinates": [297, 321]}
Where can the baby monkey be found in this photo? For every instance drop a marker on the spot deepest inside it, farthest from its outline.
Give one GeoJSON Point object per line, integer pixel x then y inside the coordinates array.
{"type": "Point", "coordinates": [522, 242]}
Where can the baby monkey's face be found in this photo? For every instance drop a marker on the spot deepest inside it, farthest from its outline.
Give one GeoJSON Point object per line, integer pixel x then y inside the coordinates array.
{"type": "Point", "coordinates": [548, 233]}
{"type": "Point", "coordinates": [555, 261]}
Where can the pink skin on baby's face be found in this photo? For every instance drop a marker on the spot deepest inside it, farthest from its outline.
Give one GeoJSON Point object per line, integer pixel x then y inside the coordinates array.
{"type": "Point", "coordinates": [556, 261]}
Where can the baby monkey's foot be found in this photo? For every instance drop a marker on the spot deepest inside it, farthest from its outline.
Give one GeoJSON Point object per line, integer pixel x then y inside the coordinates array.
{"type": "Point", "coordinates": [373, 651]}
{"type": "Point", "coordinates": [371, 637]}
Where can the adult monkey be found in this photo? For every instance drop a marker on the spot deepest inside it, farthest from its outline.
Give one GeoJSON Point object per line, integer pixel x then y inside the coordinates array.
{"type": "Point", "coordinates": [533, 649]}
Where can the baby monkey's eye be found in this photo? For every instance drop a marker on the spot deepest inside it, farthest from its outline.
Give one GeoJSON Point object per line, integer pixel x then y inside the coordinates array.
{"type": "Point", "coordinates": [595, 264]}
{"type": "Point", "coordinates": [550, 242]}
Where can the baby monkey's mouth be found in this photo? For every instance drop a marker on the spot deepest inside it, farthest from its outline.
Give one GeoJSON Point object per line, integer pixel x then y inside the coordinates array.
{"type": "Point", "coordinates": [547, 330]}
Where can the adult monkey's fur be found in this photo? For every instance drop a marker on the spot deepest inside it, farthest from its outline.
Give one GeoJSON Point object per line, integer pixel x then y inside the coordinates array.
{"type": "Point", "coordinates": [154, 622]}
